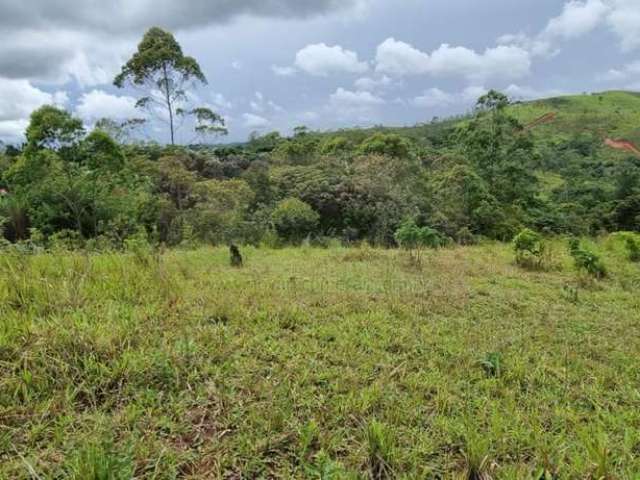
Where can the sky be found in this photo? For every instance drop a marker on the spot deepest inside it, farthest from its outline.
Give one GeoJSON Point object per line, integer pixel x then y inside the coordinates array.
{"type": "Point", "coordinates": [327, 64]}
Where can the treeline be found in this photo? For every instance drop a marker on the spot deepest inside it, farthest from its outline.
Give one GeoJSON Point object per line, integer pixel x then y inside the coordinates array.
{"type": "Point", "coordinates": [482, 177]}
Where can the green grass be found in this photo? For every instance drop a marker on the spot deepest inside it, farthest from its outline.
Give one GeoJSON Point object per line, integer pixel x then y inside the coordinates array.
{"type": "Point", "coordinates": [312, 363]}
{"type": "Point", "coordinates": [614, 114]}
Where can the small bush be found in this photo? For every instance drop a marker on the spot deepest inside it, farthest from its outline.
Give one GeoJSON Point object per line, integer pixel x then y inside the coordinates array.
{"type": "Point", "coordinates": [586, 260]}
{"type": "Point", "coordinates": [633, 249]}
{"type": "Point", "coordinates": [412, 237]}
{"type": "Point", "coordinates": [294, 220]}
{"type": "Point", "coordinates": [530, 249]}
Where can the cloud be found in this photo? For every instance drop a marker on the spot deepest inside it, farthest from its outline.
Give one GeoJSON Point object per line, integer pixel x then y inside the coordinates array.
{"type": "Point", "coordinates": [131, 16]}
{"type": "Point", "coordinates": [59, 41]}
{"type": "Point", "coordinates": [18, 100]}
{"type": "Point", "coordinates": [434, 97]}
{"type": "Point", "coordinates": [350, 99]}
{"type": "Point", "coordinates": [283, 71]}
{"type": "Point", "coordinates": [254, 121]}
{"type": "Point", "coordinates": [99, 104]}
{"type": "Point", "coordinates": [437, 98]}
{"type": "Point", "coordinates": [577, 19]}
{"type": "Point", "coordinates": [322, 60]}
{"type": "Point", "coordinates": [624, 20]}
{"type": "Point", "coordinates": [622, 75]}
{"type": "Point", "coordinates": [371, 84]}
{"type": "Point", "coordinates": [518, 92]}
{"type": "Point", "coordinates": [219, 101]}
{"type": "Point", "coordinates": [354, 105]}
{"type": "Point", "coordinates": [261, 104]}
{"type": "Point", "coordinates": [399, 58]}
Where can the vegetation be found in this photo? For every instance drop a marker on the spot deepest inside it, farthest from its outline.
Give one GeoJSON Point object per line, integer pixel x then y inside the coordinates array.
{"type": "Point", "coordinates": [530, 249]}
{"type": "Point", "coordinates": [316, 363]}
{"type": "Point", "coordinates": [132, 347]}
{"type": "Point", "coordinates": [489, 176]}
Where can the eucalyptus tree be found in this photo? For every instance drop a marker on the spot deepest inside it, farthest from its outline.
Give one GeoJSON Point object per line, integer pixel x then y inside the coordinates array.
{"type": "Point", "coordinates": [165, 74]}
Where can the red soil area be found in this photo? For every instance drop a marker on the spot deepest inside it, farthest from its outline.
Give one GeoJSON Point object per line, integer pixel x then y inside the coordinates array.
{"type": "Point", "coordinates": [624, 145]}
{"type": "Point", "coordinates": [546, 118]}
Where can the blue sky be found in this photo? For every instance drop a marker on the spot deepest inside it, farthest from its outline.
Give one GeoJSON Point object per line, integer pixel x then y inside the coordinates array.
{"type": "Point", "coordinates": [273, 65]}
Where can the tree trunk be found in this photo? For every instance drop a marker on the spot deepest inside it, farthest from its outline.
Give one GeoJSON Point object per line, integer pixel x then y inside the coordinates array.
{"type": "Point", "coordinates": [169, 105]}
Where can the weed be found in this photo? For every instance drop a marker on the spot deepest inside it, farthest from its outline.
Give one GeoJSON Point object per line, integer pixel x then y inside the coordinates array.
{"type": "Point", "coordinates": [379, 451]}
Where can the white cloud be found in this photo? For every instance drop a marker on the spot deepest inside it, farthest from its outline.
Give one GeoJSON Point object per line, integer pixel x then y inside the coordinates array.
{"type": "Point", "coordinates": [12, 130]}
{"type": "Point", "coordinates": [322, 60]}
{"type": "Point", "coordinates": [437, 98]}
{"type": "Point", "coordinates": [254, 121]}
{"type": "Point", "coordinates": [220, 101]}
{"type": "Point", "coordinates": [262, 104]}
{"type": "Point", "coordinates": [518, 92]}
{"type": "Point", "coordinates": [472, 93]}
{"type": "Point", "coordinates": [624, 20]}
{"type": "Point", "coordinates": [283, 71]}
{"type": "Point", "coordinates": [434, 98]}
{"type": "Point", "coordinates": [577, 19]}
{"type": "Point", "coordinates": [348, 98]}
{"type": "Point", "coordinates": [350, 105]}
{"type": "Point", "coordinates": [398, 58]}
{"type": "Point", "coordinates": [627, 72]}
{"type": "Point", "coordinates": [371, 84]}
{"type": "Point", "coordinates": [99, 104]}
{"type": "Point", "coordinates": [499, 62]}
{"type": "Point", "coordinates": [19, 98]}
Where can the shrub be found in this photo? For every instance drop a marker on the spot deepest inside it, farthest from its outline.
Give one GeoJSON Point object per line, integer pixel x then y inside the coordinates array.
{"type": "Point", "coordinates": [530, 249]}
{"type": "Point", "coordinates": [633, 249]}
{"type": "Point", "coordinates": [586, 260]}
{"type": "Point", "coordinates": [412, 237]}
{"type": "Point", "coordinates": [294, 220]}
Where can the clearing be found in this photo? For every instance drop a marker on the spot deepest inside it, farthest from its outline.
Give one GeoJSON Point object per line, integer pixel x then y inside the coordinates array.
{"type": "Point", "coordinates": [312, 363]}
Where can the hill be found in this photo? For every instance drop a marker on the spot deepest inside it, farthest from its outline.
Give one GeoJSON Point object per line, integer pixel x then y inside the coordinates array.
{"type": "Point", "coordinates": [611, 115]}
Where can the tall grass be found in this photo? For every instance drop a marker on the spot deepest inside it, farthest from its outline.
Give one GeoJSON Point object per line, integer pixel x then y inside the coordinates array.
{"type": "Point", "coordinates": [317, 363]}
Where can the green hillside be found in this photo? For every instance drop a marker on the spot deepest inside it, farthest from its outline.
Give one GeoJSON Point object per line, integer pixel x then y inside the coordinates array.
{"type": "Point", "coordinates": [613, 114]}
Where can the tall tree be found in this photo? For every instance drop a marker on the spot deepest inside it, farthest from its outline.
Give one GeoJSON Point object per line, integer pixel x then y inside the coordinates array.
{"type": "Point", "coordinates": [161, 69]}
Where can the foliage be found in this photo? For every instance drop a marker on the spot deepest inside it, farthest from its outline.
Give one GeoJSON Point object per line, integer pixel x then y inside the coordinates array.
{"type": "Point", "coordinates": [530, 249]}
{"type": "Point", "coordinates": [294, 220]}
{"type": "Point", "coordinates": [633, 248]}
{"type": "Point", "coordinates": [391, 145]}
{"type": "Point", "coordinates": [586, 260]}
{"type": "Point", "coordinates": [160, 66]}
{"type": "Point", "coordinates": [54, 129]}
{"type": "Point", "coordinates": [412, 237]}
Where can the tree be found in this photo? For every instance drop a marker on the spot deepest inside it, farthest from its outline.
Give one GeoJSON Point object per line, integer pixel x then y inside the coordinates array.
{"type": "Point", "coordinates": [207, 122]}
{"type": "Point", "coordinates": [294, 220]}
{"type": "Point", "coordinates": [121, 132]}
{"type": "Point", "coordinates": [388, 144]}
{"type": "Point", "coordinates": [54, 129]}
{"type": "Point", "coordinates": [160, 67]}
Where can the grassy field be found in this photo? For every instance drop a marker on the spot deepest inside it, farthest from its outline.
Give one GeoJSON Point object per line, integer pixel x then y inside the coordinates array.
{"type": "Point", "coordinates": [312, 363]}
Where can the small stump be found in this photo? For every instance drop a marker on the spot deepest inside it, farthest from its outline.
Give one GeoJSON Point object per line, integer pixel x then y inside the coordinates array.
{"type": "Point", "coordinates": [236, 257]}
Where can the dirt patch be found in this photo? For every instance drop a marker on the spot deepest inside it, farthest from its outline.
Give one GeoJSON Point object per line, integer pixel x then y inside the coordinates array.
{"type": "Point", "coordinates": [546, 118]}
{"type": "Point", "coordinates": [623, 145]}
